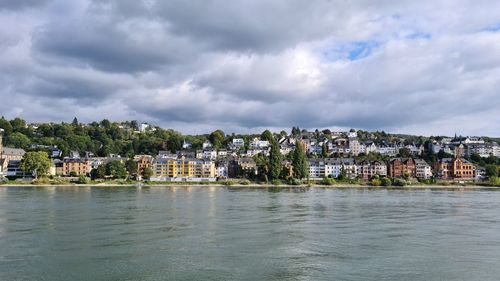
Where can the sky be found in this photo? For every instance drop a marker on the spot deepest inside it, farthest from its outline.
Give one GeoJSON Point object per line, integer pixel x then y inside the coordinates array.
{"type": "Point", "coordinates": [429, 67]}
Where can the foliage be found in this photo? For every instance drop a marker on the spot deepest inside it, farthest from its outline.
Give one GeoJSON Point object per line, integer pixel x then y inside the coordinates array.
{"type": "Point", "coordinates": [399, 182]}
{"type": "Point", "coordinates": [299, 162]}
{"type": "Point", "coordinates": [267, 136]}
{"type": "Point", "coordinates": [385, 181]}
{"type": "Point", "coordinates": [244, 182]}
{"type": "Point", "coordinates": [294, 181]}
{"type": "Point", "coordinates": [324, 150]}
{"type": "Point", "coordinates": [116, 169]}
{"type": "Point", "coordinates": [147, 173]}
{"type": "Point", "coordinates": [36, 162]}
{"type": "Point", "coordinates": [18, 140]}
{"type": "Point", "coordinates": [217, 139]}
{"type": "Point", "coordinates": [82, 180]}
{"type": "Point", "coordinates": [275, 160]}
{"type": "Point", "coordinates": [73, 174]}
{"type": "Point", "coordinates": [491, 170]}
{"type": "Point", "coordinates": [495, 181]}
{"type": "Point", "coordinates": [276, 182]}
{"type": "Point", "coordinates": [328, 181]}
{"type": "Point", "coordinates": [131, 166]}
{"type": "Point", "coordinates": [404, 152]}
{"type": "Point", "coordinates": [98, 173]}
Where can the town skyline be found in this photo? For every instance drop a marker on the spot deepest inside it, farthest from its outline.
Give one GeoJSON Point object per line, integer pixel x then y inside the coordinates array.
{"type": "Point", "coordinates": [423, 68]}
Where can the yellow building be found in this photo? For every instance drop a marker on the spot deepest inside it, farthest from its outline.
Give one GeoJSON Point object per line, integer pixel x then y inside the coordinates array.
{"type": "Point", "coordinates": [75, 166]}
{"type": "Point", "coordinates": [184, 168]}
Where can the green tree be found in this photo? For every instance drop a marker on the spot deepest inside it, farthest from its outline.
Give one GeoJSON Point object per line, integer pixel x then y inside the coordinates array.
{"type": "Point", "coordinates": [491, 170]}
{"type": "Point", "coordinates": [147, 173]}
{"type": "Point", "coordinates": [324, 150]}
{"type": "Point", "coordinates": [131, 166]}
{"type": "Point", "coordinates": [267, 136]}
{"type": "Point", "coordinates": [36, 162]}
{"type": "Point", "coordinates": [19, 140]}
{"type": "Point", "coordinates": [385, 181]}
{"type": "Point", "coordinates": [4, 124]}
{"type": "Point", "coordinates": [405, 152]}
{"type": "Point", "coordinates": [18, 124]}
{"type": "Point", "coordinates": [99, 172]}
{"type": "Point", "coordinates": [275, 159]}
{"type": "Point", "coordinates": [217, 138]}
{"type": "Point", "coordinates": [75, 122]}
{"type": "Point", "coordinates": [299, 162]}
{"type": "Point", "coordinates": [116, 169]}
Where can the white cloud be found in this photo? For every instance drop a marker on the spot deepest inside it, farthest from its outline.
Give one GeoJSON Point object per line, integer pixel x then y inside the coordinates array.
{"type": "Point", "coordinates": [427, 67]}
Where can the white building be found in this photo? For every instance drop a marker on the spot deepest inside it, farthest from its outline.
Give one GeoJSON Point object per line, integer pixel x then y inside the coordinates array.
{"type": "Point", "coordinates": [256, 143]}
{"type": "Point", "coordinates": [356, 147]}
{"type": "Point", "coordinates": [206, 144]}
{"type": "Point", "coordinates": [143, 127]}
{"type": "Point", "coordinates": [422, 169]}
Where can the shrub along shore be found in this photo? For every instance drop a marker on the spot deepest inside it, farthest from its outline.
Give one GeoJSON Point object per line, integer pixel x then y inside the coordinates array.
{"type": "Point", "coordinates": [325, 183]}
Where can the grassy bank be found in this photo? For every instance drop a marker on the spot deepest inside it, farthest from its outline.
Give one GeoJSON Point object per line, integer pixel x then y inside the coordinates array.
{"type": "Point", "coordinates": [243, 183]}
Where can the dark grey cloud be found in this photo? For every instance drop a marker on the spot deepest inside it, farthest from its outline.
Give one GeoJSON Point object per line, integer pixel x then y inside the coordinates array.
{"type": "Point", "coordinates": [21, 4]}
{"type": "Point", "coordinates": [248, 65]}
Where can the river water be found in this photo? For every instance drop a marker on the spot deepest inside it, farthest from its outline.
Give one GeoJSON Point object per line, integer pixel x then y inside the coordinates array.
{"type": "Point", "coordinates": [217, 233]}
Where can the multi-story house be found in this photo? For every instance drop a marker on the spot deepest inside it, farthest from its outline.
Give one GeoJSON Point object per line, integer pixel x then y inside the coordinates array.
{"type": "Point", "coordinates": [8, 153]}
{"type": "Point", "coordinates": [399, 167]}
{"type": "Point", "coordinates": [454, 168]}
{"type": "Point", "coordinates": [165, 169]}
{"type": "Point", "coordinates": [237, 144]}
{"type": "Point", "coordinates": [143, 162]}
{"type": "Point", "coordinates": [422, 169]}
{"type": "Point", "coordinates": [332, 167]}
{"type": "Point", "coordinates": [247, 166]}
{"type": "Point", "coordinates": [388, 149]}
{"type": "Point", "coordinates": [259, 144]}
{"type": "Point", "coordinates": [356, 147]}
{"type": "Point", "coordinates": [368, 169]}
{"type": "Point", "coordinates": [221, 169]}
{"type": "Point", "coordinates": [316, 168]}
{"type": "Point", "coordinates": [75, 166]}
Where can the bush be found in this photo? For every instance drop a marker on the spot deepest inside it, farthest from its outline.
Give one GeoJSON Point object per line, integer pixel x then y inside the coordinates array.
{"type": "Point", "coordinates": [40, 181]}
{"type": "Point", "coordinates": [294, 182]}
{"type": "Point", "coordinates": [73, 174]}
{"type": "Point", "coordinates": [82, 180]}
{"type": "Point", "coordinates": [244, 182]}
{"type": "Point", "coordinates": [328, 181]}
{"type": "Point", "coordinates": [228, 183]}
{"type": "Point", "coordinates": [495, 181]}
{"type": "Point", "coordinates": [376, 182]}
{"type": "Point", "coordinates": [276, 182]}
{"type": "Point", "coordinates": [399, 182]}
{"type": "Point", "coordinates": [385, 182]}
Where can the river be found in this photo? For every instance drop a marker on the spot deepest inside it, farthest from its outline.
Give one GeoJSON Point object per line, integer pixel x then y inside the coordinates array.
{"type": "Point", "coordinates": [221, 233]}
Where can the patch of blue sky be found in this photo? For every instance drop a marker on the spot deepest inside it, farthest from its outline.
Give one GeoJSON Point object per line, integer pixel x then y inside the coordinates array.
{"type": "Point", "coordinates": [351, 51]}
{"type": "Point", "coordinates": [418, 35]}
{"type": "Point", "coordinates": [492, 28]}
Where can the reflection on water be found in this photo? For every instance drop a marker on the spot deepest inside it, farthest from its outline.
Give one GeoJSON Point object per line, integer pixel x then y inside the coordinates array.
{"type": "Point", "coordinates": [216, 233]}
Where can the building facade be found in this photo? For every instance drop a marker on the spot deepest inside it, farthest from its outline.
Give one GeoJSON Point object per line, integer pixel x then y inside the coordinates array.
{"type": "Point", "coordinates": [400, 167]}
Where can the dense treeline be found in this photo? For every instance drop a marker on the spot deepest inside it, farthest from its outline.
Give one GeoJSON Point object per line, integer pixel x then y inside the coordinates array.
{"type": "Point", "coordinates": [101, 138]}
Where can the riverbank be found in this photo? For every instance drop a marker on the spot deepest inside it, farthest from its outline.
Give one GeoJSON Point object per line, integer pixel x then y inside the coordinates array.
{"type": "Point", "coordinates": [267, 186]}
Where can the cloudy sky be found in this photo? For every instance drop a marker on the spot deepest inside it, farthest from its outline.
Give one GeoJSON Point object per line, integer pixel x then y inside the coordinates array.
{"type": "Point", "coordinates": [424, 67]}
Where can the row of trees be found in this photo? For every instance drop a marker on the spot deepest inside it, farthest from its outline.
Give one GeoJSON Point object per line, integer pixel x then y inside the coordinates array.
{"type": "Point", "coordinates": [271, 168]}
